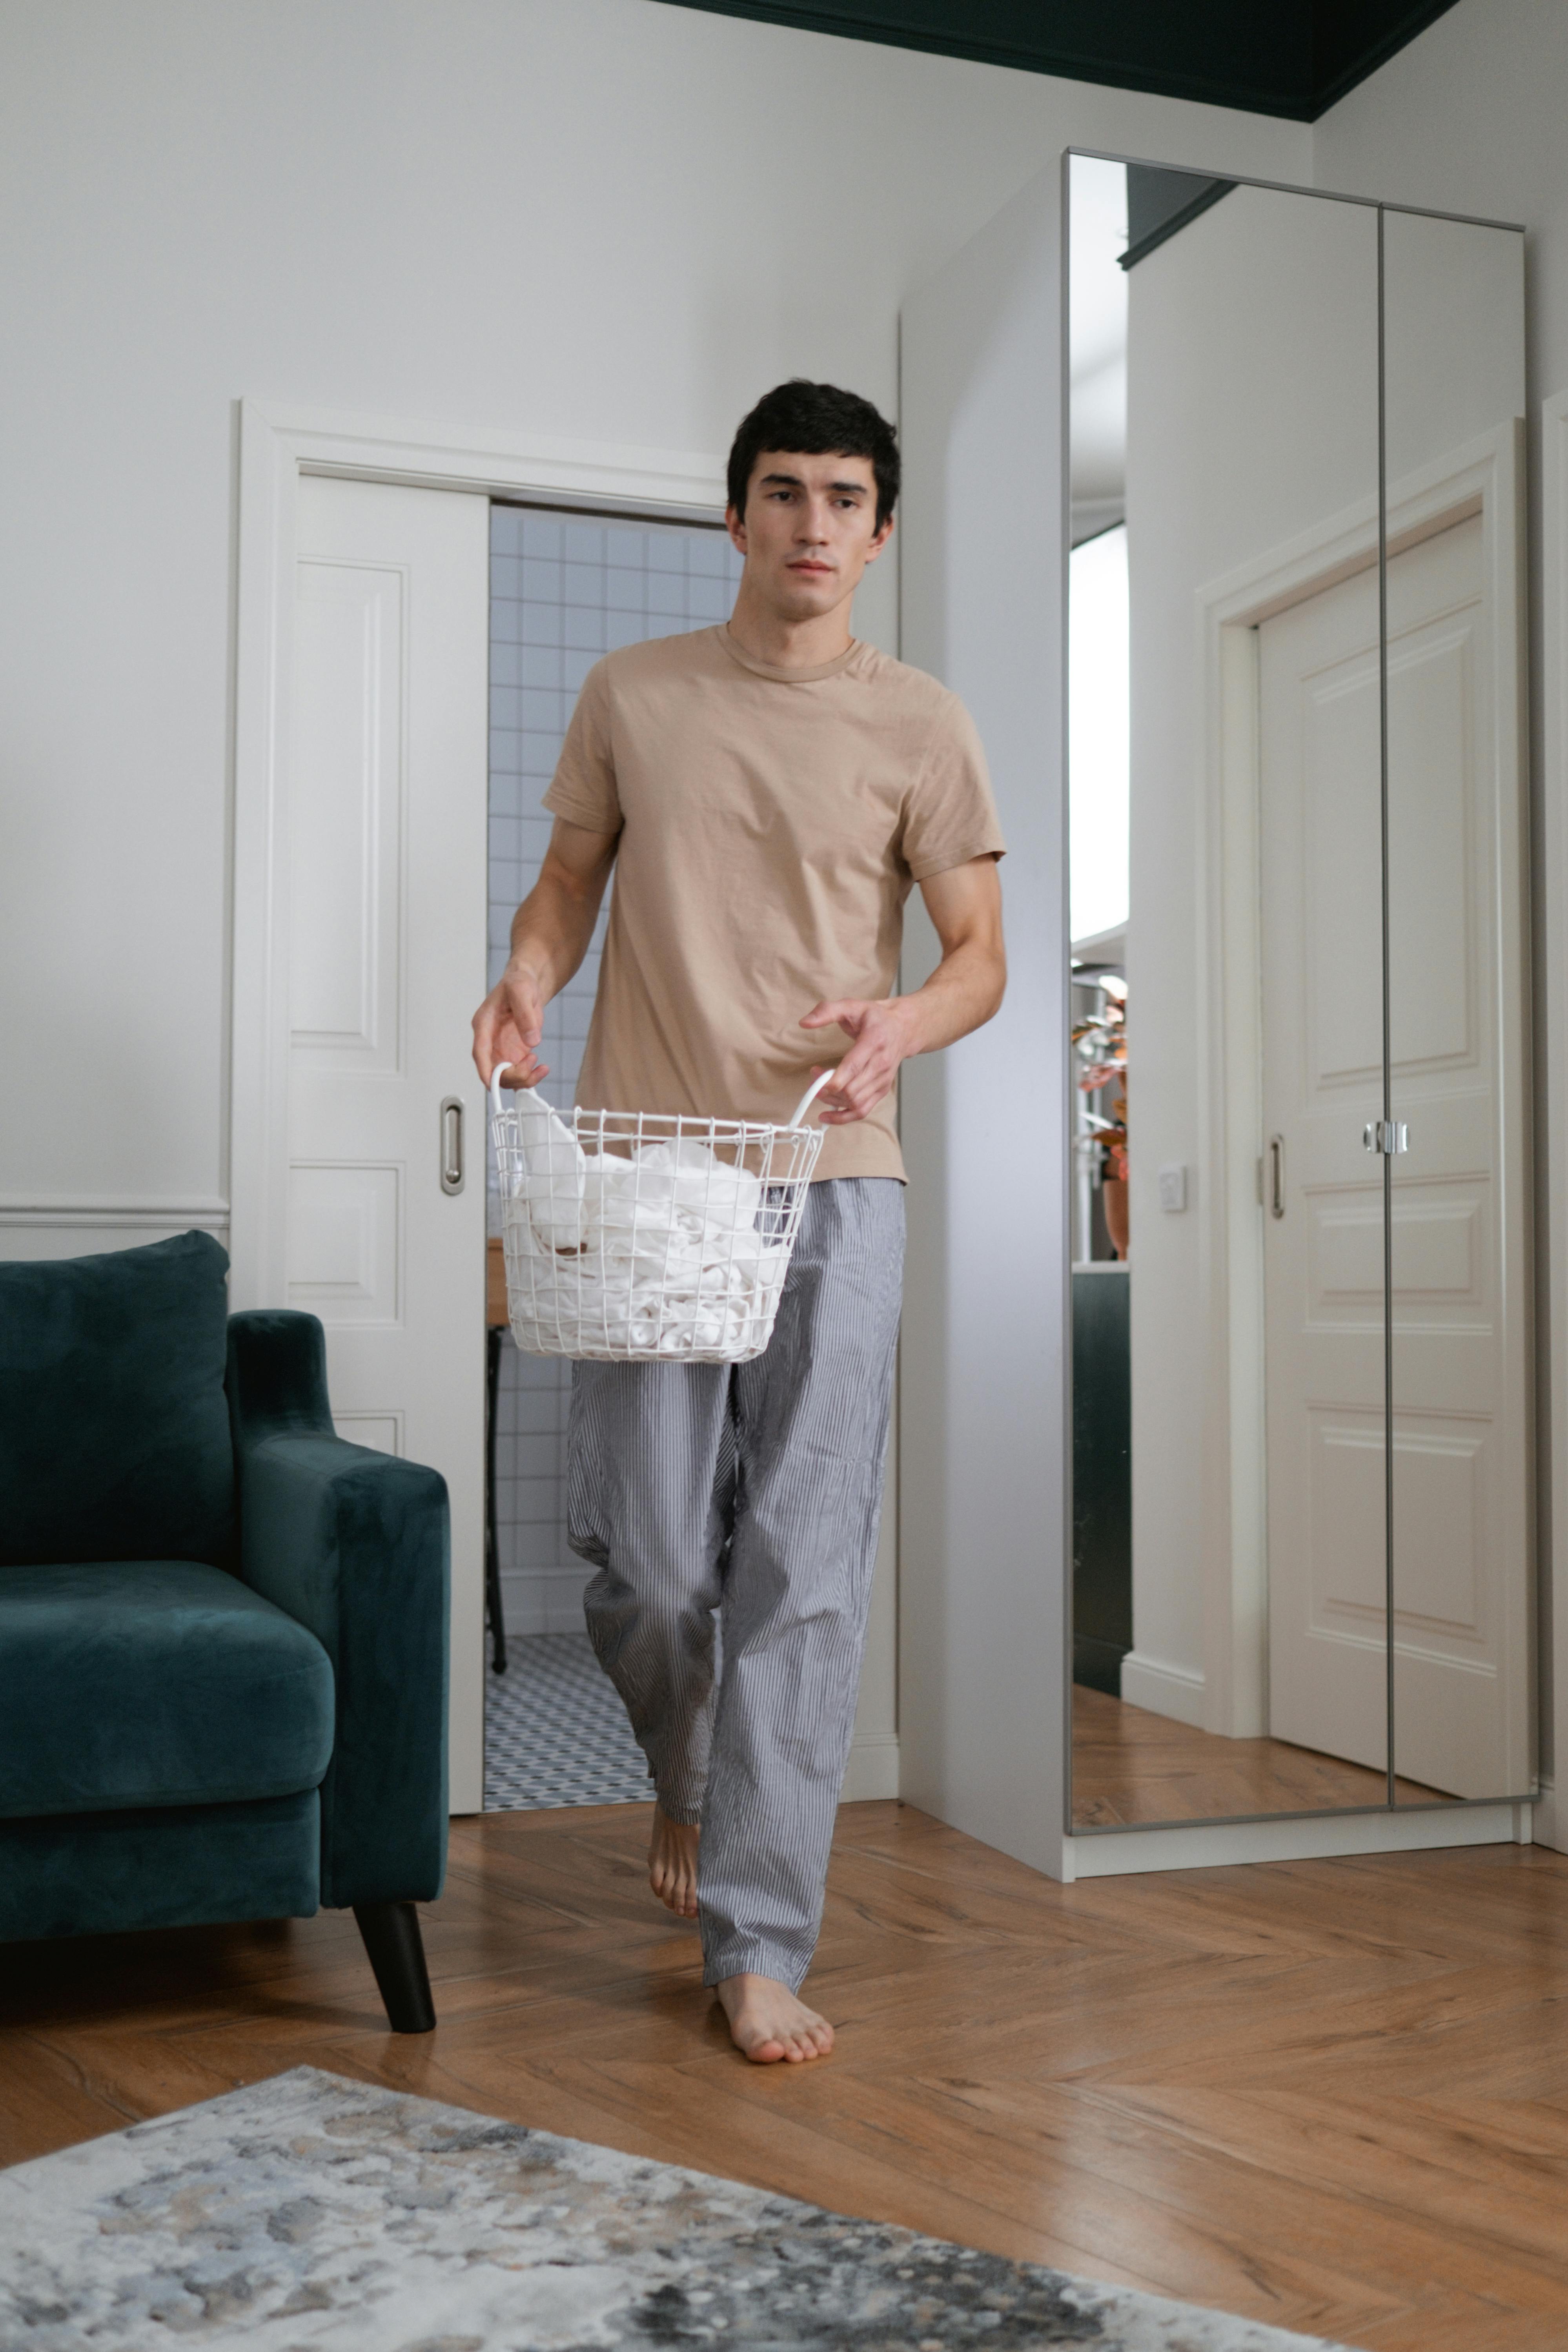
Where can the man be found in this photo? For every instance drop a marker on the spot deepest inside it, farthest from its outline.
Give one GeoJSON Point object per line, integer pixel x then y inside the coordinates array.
{"type": "Point", "coordinates": [768, 793]}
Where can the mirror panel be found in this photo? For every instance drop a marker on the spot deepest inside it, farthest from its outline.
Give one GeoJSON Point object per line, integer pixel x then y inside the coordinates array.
{"type": "Point", "coordinates": [1298, 946]}
{"type": "Point", "coordinates": [1295, 770]}
{"type": "Point", "coordinates": [1229, 992]}
{"type": "Point", "coordinates": [1458, 1195]}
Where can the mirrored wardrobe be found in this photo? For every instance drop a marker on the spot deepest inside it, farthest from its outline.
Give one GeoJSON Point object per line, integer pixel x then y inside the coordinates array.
{"type": "Point", "coordinates": [1299, 1208]}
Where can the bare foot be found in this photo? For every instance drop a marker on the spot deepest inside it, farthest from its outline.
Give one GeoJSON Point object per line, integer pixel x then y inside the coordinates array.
{"type": "Point", "coordinates": [672, 1863]}
{"type": "Point", "coordinates": [767, 2022]}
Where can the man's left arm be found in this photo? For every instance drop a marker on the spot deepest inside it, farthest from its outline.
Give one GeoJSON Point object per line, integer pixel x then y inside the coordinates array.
{"type": "Point", "coordinates": [961, 994]}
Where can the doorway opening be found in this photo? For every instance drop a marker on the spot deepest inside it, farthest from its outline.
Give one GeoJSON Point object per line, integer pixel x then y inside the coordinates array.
{"type": "Point", "coordinates": [567, 587]}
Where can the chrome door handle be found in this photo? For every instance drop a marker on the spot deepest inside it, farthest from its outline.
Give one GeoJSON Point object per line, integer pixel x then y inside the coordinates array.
{"type": "Point", "coordinates": [452, 1144]}
{"type": "Point", "coordinates": [1386, 1136]}
{"type": "Point", "coordinates": [1277, 1175]}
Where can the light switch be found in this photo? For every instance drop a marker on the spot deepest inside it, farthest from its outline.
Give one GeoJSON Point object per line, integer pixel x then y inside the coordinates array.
{"type": "Point", "coordinates": [1173, 1186]}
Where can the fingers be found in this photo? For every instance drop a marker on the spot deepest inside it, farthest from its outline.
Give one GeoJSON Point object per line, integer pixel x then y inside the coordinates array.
{"type": "Point", "coordinates": [846, 1012]}
{"type": "Point", "coordinates": [863, 1078]}
{"type": "Point", "coordinates": [507, 1027]}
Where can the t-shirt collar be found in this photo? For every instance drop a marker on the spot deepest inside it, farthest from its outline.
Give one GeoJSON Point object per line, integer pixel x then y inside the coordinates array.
{"type": "Point", "coordinates": [772, 669]}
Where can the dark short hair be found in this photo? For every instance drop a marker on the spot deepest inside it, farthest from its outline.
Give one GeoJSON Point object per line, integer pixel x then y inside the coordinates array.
{"type": "Point", "coordinates": [817, 419]}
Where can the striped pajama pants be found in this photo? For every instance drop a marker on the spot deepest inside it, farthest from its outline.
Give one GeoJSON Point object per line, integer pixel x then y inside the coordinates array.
{"type": "Point", "coordinates": [749, 1493]}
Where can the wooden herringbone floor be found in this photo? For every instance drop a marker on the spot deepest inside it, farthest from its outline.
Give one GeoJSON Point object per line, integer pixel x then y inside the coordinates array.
{"type": "Point", "coordinates": [1331, 2095]}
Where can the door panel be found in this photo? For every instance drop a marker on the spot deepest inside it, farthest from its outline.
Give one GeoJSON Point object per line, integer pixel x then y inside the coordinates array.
{"type": "Point", "coordinates": [1461, 1696]}
{"type": "Point", "coordinates": [1460, 1543]}
{"type": "Point", "coordinates": [1321, 854]}
{"type": "Point", "coordinates": [387, 849]}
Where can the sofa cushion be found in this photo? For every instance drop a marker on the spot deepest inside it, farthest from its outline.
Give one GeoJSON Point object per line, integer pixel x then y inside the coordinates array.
{"type": "Point", "coordinates": [114, 1438]}
{"type": "Point", "coordinates": [153, 1682]}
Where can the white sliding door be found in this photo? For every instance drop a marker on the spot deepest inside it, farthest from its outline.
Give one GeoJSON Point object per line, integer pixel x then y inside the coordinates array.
{"type": "Point", "coordinates": [385, 1209]}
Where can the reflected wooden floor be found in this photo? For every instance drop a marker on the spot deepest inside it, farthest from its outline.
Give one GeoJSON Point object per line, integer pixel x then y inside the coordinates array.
{"type": "Point", "coordinates": [1328, 2094]}
{"type": "Point", "coordinates": [1128, 1765]}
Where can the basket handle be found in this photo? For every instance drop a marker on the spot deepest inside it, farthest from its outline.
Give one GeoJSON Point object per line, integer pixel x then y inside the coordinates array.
{"type": "Point", "coordinates": [804, 1105]}
{"type": "Point", "coordinates": [498, 1106]}
{"type": "Point", "coordinates": [794, 1119]}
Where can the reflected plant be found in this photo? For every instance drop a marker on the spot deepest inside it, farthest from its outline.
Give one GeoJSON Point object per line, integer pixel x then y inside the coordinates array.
{"type": "Point", "coordinates": [1101, 1045]}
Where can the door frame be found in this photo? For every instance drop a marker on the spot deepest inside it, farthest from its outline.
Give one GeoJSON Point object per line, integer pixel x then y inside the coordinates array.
{"type": "Point", "coordinates": [1552, 1810]}
{"type": "Point", "coordinates": [277, 445]}
{"type": "Point", "coordinates": [1486, 477]}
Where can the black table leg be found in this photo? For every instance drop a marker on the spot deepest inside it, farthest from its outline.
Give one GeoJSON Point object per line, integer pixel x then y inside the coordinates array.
{"type": "Point", "coordinates": [497, 1623]}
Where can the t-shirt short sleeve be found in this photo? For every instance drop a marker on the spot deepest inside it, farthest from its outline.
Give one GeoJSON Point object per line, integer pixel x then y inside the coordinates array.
{"type": "Point", "coordinates": [951, 813]}
{"type": "Point", "coordinates": [583, 789]}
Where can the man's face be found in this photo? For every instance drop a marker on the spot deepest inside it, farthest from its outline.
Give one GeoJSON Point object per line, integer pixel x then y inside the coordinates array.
{"type": "Point", "coordinates": [809, 530]}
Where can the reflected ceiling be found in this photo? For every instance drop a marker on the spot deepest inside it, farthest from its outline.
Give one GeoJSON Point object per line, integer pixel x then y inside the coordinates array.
{"type": "Point", "coordinates": [1290, 58]}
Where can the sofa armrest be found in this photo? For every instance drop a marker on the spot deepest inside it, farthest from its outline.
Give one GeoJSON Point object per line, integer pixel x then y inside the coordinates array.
{"type": "Point", "coordinates": [353, 1544]}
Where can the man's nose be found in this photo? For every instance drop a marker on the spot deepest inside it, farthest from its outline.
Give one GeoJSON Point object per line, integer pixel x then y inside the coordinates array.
{"type": "Point", "coordinates": [813, 522]}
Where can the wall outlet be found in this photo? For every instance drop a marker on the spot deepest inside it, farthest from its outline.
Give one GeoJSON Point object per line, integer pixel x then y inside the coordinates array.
{"type": "Point", "coordinates": [1172, 1187]}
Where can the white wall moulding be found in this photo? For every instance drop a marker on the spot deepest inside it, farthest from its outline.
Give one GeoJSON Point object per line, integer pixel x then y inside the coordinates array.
{"type": "Point", "coordinates": [1552, 1437]}
{"type": "Point", "coordinates": [86, 1210]}
{"type": "Point", "coordinates": [423, 455]}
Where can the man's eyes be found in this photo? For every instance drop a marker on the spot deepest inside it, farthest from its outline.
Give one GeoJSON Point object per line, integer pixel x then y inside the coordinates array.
{"type": "Point", "coordinates": [788, 498]}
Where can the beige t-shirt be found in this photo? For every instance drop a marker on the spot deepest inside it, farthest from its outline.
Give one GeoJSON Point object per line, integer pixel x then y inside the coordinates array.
{"type": "Point", "coordinates": [772, 822]}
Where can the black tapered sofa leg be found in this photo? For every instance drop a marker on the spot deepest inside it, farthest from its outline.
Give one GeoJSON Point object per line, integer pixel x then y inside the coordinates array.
{"type": "Point", "coordinates": [392, 1938]}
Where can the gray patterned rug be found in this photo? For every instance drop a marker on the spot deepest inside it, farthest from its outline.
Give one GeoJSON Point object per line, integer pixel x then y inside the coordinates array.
{"type": "Point", "coordinates": [309, 2211]}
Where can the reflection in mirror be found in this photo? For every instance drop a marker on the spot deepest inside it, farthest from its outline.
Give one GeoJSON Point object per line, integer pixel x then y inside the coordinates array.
{"type": "Point", "coordinates": [1229, 1573]}
{"type": "Point", "coordinates": [1454, 402]}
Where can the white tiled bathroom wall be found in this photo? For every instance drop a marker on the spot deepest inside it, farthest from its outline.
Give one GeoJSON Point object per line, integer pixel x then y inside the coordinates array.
{"type": "Point", "coordinates": [563, 590]}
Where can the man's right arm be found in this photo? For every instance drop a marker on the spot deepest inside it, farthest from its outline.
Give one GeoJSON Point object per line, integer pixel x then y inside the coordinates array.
{"type": "Point", "coordinates": [549, 936]}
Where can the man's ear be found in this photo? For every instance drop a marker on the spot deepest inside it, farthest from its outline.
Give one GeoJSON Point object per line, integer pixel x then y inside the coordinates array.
{"type": "Point", "coordinates": [734, 523]}
{"type": "Point", "coordinates": [880, 540]}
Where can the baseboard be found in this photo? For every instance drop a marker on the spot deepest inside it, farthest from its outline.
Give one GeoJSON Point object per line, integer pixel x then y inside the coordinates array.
{"type": "Point", "coordinates": [872, 1770]}
{"type": "Point", "coordinates": [1163, 1689]}
{"type": "Point", "coordinates": [1210, 1845]}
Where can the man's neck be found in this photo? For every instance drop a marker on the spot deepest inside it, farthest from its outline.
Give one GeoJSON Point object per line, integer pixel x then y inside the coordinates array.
{"type": "Point", "coordinates": [770, 637]}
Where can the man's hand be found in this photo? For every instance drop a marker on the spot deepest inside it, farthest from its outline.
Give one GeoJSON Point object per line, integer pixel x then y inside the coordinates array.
{"type": "Point", "coordinates": [867, 1074]}
{"type": "Point", "coordinates": [964, 903]}
{"type": "Point", "coordinates": [508, 1025]}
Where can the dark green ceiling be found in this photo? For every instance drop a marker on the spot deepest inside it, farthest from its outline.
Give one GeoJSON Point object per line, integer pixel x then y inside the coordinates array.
{"type": "Point", "coordinates": [1292, 57]}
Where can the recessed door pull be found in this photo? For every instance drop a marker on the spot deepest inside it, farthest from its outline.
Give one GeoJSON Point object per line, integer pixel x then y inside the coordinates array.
{"type": "Point", "coordinates": [452, 1144]}
{"type": "Point", "coordinates": [1277, 1175]}
{"type": "Point", "coordinates": [1386, 1136]}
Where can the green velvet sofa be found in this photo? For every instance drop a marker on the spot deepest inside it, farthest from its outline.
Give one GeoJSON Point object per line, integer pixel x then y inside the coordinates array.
{"type": "Point", "coordinates": [222, 1631]}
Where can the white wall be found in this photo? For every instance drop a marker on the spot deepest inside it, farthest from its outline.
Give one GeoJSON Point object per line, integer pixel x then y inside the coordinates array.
{"type": "Point", "coordinates": [618, 221]}
{"type": "Point", "coordinates": [1469, 118]}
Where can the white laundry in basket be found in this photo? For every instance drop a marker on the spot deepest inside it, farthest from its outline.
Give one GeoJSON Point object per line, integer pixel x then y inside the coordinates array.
{"type": "Point", "coordinates": [666, 1250]}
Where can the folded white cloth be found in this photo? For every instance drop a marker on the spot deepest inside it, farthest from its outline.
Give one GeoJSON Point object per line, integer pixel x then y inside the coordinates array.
{"type": "Point", "coordinates": [667, 1250]}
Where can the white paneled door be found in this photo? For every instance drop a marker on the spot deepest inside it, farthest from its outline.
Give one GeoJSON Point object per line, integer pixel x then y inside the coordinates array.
{"type": "Point", "coordinates": [387, 831]}
{"type": "Point", "coordinates": [1461, 1538]}
{"type": "Point", "coordinates": [1321, 897]}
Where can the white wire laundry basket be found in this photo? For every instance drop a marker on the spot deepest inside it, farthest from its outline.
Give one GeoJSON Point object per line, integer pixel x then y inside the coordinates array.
{"type": "Point", "coordinates": [635, 1236]}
